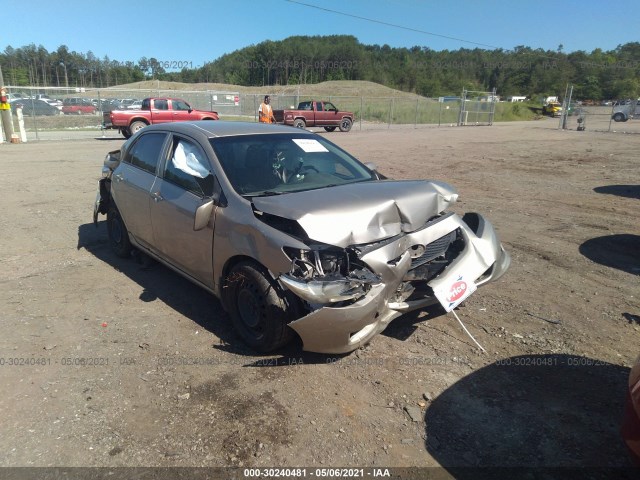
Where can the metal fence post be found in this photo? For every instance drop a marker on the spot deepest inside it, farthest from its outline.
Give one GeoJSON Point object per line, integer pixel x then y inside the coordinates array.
{"type": "Point", "coordinates": [361, 112]}
{"type": "Point", "coordinates": [255, 109]}
{"type": "Point", "coordinates": [611, 116]}
{"type": "Point", "coordinates": [99, 112]}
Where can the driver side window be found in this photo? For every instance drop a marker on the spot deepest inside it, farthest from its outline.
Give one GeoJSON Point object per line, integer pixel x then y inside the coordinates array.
{"type": "Point", "coordinates": [188, 167]}
{"type": "Point", "coordinates": [180, 105]}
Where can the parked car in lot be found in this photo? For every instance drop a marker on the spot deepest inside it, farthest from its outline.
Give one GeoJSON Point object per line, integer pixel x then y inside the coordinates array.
{"type": "Point", "coordinates": [626, 110]}
{"type": "Point", "coordinates": [292, 233]}
{"type": "Point", "coordinates": [54, 103]}
{"type": "Point", "coordinates": [15, 96]}
{"type": "Point", "coordinates": [107, 105]}
{"type": "Point", "coordinates": [31, 107]}
{"type": "Point", "coordinates": [78, 106]}
{"type": "Point", "coordinates": [125, 102]}
{"type": "Point", "coordinates": [137, 105]}
{"type": "Point", "coordinates": [631, 421]}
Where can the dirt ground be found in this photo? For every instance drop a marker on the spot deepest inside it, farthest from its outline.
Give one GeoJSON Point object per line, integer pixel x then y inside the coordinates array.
{"type": "Point", "coordinates": [110, 362]}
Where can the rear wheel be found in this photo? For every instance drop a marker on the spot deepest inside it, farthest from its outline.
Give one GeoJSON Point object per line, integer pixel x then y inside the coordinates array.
{"type": "Point", "coordinates": [118, 235]}
{"type": "Point", "coordinates": [345, 125]}
{"type": "Point", "coordinates": [329, 129]}
{"type": "Point", "coordinates": [136, 126]}
{"type": "Point", "coordinates": [619, 117]}
{"type": "Point", "coordinates": [299, 123]}
{"type": "Point", "coordinates": [258, 308]}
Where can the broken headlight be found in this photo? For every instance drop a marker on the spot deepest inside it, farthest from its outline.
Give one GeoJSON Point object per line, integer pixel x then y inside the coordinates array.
{"type": "Point", "coordinates": [326, 275]}
{"type": "Point", "coordinates": [318, 261]}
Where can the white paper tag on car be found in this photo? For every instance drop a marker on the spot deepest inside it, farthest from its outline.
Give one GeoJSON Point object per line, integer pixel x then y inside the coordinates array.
{"type": "Point", "coordinates": [310, 145]}
{"type": "Point", "coordinates": [453, 294]}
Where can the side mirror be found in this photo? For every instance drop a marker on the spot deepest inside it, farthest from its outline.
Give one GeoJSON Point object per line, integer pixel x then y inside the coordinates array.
{"type": "Point", "coordinates": [203, 214]}
{"type": "Point", "coordinates": [190, 110]}
{"type": "Point", "coordinates": [373, 167]}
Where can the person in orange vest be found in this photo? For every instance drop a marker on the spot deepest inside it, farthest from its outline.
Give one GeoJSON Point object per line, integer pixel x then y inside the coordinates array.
{"type": "Point", "coordinates": [265, 112]}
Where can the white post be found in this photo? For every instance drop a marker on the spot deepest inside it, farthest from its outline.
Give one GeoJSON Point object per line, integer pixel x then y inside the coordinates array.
{"type": "Point", "coordinates": [23, 133]}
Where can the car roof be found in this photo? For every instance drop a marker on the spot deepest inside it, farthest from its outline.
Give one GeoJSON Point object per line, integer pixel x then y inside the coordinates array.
{"type": "Point", "coordinates": [218, 128]}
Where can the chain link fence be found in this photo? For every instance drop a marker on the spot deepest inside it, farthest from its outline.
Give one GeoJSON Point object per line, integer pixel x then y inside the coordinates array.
{"type": "Point", "coordinates": [621, 116]}
{"type": "Point", "coordinates": [44, 118]}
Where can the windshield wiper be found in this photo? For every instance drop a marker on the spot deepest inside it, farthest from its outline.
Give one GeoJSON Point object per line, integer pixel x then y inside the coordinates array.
{"type": "Point", "coordinates": [267, 193]}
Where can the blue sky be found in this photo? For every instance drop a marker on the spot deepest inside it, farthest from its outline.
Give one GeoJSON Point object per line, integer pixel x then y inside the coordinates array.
{"type": "Point", "coordinates": [197, 31]}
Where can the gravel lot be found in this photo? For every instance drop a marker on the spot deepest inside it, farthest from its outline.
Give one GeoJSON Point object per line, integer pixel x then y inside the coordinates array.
{"type": "Point", "coordinates": [111, 362]}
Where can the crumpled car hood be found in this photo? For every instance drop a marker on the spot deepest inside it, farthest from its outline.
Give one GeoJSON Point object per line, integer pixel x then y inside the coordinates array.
{"type": "Point", "coordinates": [361, 212]}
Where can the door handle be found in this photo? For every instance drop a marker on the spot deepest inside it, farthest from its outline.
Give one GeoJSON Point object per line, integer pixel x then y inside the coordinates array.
{"type": "Point", "coordinates": [157, 197]}
{"type": "Point", "coordinates": [119, 177]}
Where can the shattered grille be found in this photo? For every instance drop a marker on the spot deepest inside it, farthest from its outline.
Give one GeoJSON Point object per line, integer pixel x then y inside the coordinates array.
{"type": "Point", "coordinates": [435, 249]}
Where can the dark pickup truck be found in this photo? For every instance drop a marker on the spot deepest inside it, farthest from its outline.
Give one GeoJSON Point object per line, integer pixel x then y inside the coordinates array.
{"type": "Point", "coordinates": [154, 110]}
{"type": "Point", "coordinates": [316, 114]}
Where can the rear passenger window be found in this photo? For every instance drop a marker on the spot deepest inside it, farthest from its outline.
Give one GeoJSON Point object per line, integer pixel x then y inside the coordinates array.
{"type": "Point", "coordinates": [161, 105]}
{"type": "Point", "coordinates": [145, 154]}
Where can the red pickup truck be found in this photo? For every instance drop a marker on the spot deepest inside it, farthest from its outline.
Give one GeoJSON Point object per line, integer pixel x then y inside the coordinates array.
{"type": "Point", "coordinates": [316, 114]}
{"type": "Point", "coordinates": [154, 110]}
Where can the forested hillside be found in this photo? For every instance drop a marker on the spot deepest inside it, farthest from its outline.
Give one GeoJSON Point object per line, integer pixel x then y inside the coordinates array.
{"type": "Point", "coordinates": [597, 75]}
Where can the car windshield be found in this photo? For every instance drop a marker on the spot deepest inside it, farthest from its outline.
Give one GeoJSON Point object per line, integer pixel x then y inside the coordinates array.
{"type": "Point", "coordinates": [272, 164]}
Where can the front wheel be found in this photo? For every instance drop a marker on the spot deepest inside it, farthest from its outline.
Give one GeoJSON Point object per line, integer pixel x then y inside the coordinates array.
{"type": "Point", "coordinates": [299, 123]}
{"type": "Point", "coordinates": [136, 126]}
{"type": "Point", "coordinates": [257, 307]}
{"type": "Point", "coordinates": [619, 117]}
{"type": "Point", "coordinates": [125, 132]}
{"type": "Point", "coordinates": [345, 125]}
{"type": "Point", "coordinates": [118, 235]}
{"type": "Point", "coordinates": [329, 129]}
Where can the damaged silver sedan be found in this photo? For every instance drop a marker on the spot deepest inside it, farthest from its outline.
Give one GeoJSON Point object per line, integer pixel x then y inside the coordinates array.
{"type": "Point", "coordinates": [293, 234]}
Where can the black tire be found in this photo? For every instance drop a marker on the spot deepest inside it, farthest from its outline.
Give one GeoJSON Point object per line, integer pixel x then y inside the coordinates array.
{"type": "Point", "coordinates": [329, 129]}
{"type": "Point", "coordinates": [299, 123]}
{"type": "Point", "coordinates": [118, 235]}
{"type": "Point", "coordinates": [619, 117]}
{"type": "Point", "coordinates": [345, 125]}
{"type": "Point", "coordinates": [125, 132]}
{"type": "Point", "coordinates": [136, 126]}
{"type": "Point", "coordinates": [258, 308]}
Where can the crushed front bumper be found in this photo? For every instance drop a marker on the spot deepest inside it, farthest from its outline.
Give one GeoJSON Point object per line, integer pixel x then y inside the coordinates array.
{"type": "Point", "coordinates": [341, 329]}
{"type": "Point", "coordinates": [103, 198]}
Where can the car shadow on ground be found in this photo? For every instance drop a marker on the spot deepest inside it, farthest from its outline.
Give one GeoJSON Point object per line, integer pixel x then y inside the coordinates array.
{"type": "Point", "coordinates": [187, 299]}
{"type": "Point", "coordinates": [532, 411]}
{"type": "Point", "coordinates": [620, 251]}
{"type": "Point", "coordinates": [629, 191]}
